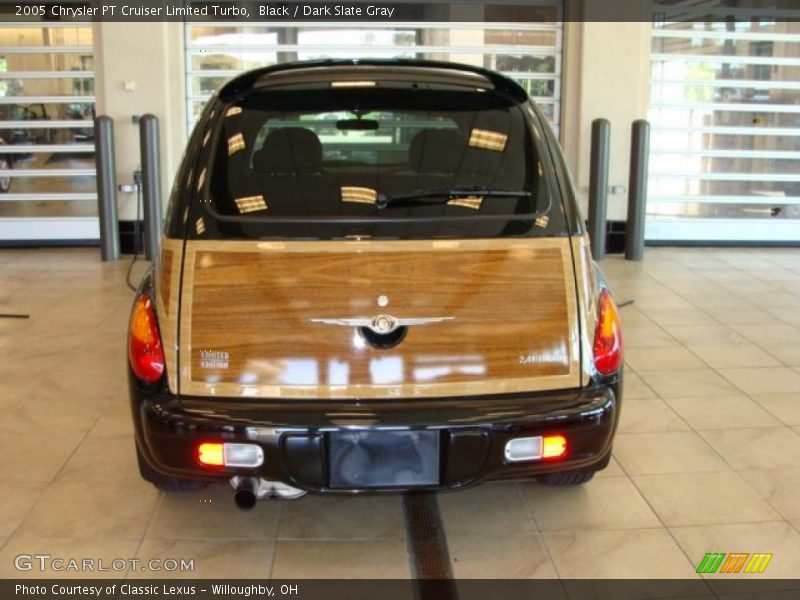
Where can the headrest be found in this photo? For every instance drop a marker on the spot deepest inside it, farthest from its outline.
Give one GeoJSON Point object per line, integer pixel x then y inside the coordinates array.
{"type": "Point", "coordinates": [436, 151]}
{"type": "Point", "coordinates": [289, 150]}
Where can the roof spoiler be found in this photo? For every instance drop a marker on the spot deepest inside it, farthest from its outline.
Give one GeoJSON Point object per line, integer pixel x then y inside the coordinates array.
{"type": "Point", "coordinates": [250, 80]}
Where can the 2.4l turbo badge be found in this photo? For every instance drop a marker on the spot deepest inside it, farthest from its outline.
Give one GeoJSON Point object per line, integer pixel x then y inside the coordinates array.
{"type": "Point", "coordinates": [211, 359]}
{"type": "Point", "coordinates": [542, 358]}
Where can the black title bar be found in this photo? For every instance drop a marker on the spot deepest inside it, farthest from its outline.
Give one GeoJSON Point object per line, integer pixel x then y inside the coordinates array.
{"type": "Point", "coordinates": [522, 11]}
{"type": "Point", "coordinates": [407, 589]}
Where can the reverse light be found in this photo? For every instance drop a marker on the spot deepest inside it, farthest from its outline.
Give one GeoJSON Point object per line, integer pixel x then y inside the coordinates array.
{"type": "Point", "coordinates": [607, 348]}
{"type": "Point", "coordinates": [145, 353]}
{"type": "Point", "coordinates": [218, 454]}
{"type": "Point", "coordinates": [243, 455]}
{"type": "Point", "coordinates": [536, 448]}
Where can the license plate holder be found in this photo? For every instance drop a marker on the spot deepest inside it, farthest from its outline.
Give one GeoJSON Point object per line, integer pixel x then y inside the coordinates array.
{"type": "Point", "coordinates": [383, 459]}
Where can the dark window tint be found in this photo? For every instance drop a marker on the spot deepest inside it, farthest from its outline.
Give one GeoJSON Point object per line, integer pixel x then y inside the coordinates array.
{"type": "Point", "coordinates": [337, 160]}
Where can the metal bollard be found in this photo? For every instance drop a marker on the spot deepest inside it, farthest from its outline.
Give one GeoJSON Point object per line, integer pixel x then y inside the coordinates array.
{"type": "Point", "coordinates": [637, 192]}
{"type": "Point", "coordinates": [106, 188]}
{"type": "Point", "coordinates": [151, 184]}
{"type": "Point", "coordinates": [598, 186]}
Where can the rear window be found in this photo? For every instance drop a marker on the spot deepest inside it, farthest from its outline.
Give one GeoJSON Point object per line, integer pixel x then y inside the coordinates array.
{"type": "Point", "coordinates": [378, 162]}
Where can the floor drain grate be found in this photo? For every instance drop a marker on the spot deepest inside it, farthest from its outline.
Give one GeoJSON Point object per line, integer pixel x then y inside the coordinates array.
{"type": "Point", "coordinates": [427, 544]}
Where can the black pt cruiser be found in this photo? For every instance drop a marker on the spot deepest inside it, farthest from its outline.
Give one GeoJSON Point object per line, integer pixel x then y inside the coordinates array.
{"type": "Point", "coordinates": [373, 278]}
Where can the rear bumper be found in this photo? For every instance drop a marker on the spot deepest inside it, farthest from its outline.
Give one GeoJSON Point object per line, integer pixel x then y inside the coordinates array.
{"type": "Point", "coordinates": [295, 435]}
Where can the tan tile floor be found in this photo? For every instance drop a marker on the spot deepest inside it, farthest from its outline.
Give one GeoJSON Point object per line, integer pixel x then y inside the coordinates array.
{"type": "Point", "coordinates": [707, 456]}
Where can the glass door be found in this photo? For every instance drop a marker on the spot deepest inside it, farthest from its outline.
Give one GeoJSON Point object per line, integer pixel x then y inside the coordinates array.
{"type": "Point", "coordinates": [47, 171]}
{"type": "Point", "coordinates": [725, 148]}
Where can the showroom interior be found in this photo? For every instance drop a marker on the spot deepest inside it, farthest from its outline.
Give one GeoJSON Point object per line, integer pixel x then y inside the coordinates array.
{"type": "Point", "coordinates": [707, 453]}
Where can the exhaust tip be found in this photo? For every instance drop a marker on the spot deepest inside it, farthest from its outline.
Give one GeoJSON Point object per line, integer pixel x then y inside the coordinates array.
{"type": "Point", "coordinates": [251, 489]}
{"type": "Point", "coordinates": [245, 496]}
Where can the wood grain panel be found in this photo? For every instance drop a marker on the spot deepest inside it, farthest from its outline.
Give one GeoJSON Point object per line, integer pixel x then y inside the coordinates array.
{"type": "Point", "coordinates": [586, 284]}
{"type": "Point", "coordinates": [248, 308]}
{"type": "Point", "coordinates": [167, 283]}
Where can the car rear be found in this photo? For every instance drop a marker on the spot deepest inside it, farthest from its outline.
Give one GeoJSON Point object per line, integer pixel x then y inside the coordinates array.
{"type": "Point", "coordinates": [373, 279]}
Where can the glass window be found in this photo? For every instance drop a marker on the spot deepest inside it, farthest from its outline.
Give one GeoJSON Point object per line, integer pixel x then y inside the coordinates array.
{"type": "Point", "coordinates": [725, 111]}
{"type": "Point", "coordinates": [47, 108]}
{"type": "Point", "coordinates": [522, 41]}
{"type": "Point", "coordinates": [392, 151]}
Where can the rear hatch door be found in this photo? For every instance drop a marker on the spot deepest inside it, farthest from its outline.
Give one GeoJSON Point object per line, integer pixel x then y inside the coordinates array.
{"type": "Point", "coordinates": [286, 319]}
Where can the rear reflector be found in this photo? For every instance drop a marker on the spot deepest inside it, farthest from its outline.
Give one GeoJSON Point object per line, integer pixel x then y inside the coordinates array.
{"type": "Point", "coordinates": [216, 454]}
{"type": "Point", "coordinates": [536, 448]}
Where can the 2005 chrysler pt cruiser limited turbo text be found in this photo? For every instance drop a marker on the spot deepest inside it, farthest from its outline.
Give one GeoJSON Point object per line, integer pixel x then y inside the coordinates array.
{"type": "Point", "coordinates": [374, 277]}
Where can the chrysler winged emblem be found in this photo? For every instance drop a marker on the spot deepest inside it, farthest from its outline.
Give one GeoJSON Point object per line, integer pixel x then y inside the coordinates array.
{"type": "Point", "coordinates": [382, 324]}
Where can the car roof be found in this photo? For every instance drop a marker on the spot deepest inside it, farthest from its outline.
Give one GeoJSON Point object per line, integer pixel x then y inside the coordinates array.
{"type": "Point", "coordinates": [315, 72]}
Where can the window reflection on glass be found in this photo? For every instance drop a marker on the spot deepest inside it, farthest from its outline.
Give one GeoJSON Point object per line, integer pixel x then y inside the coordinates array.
{"type": "Point", "coordinates": [32, 115]}
{"type": "Point", "coordinates": [77, 86]}
{"type": "Point", "coordinates": [46, 36]}
{"type": "Point", "coordinates": [337, 36]}
{"type": "Point", "coordinates": [768, 210]}
{"type": "Point", "coordinates": [48, 208]}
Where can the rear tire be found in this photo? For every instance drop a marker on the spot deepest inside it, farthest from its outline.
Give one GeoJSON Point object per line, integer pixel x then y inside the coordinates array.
{"type": "Point", "coordinates": [567, 478]}
{"type": "Point", "coordinates": [164, 483]}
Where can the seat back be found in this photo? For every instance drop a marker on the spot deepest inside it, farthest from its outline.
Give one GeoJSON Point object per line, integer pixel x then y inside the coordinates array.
{"type": "Point", "coordinates": [288, 168]}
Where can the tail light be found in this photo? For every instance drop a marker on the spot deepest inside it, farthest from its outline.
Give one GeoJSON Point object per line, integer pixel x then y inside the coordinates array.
{"type": "Point", "coordinates": [539, 447]}
{"type": "Point", "coordinates": [218, 454]}
{"type": "Point", "coordinates": [554, 446]}
{"type": "Point", "coordinates": [145, 353]}
{"type": "Point", "coordinates": [607, 336]}
{"type": "Point", "coordinates": [211, 454]}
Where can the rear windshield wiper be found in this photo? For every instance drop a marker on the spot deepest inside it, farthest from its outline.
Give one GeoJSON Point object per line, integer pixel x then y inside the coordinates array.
{"type": "Point", "coordinates": [443, 196]}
